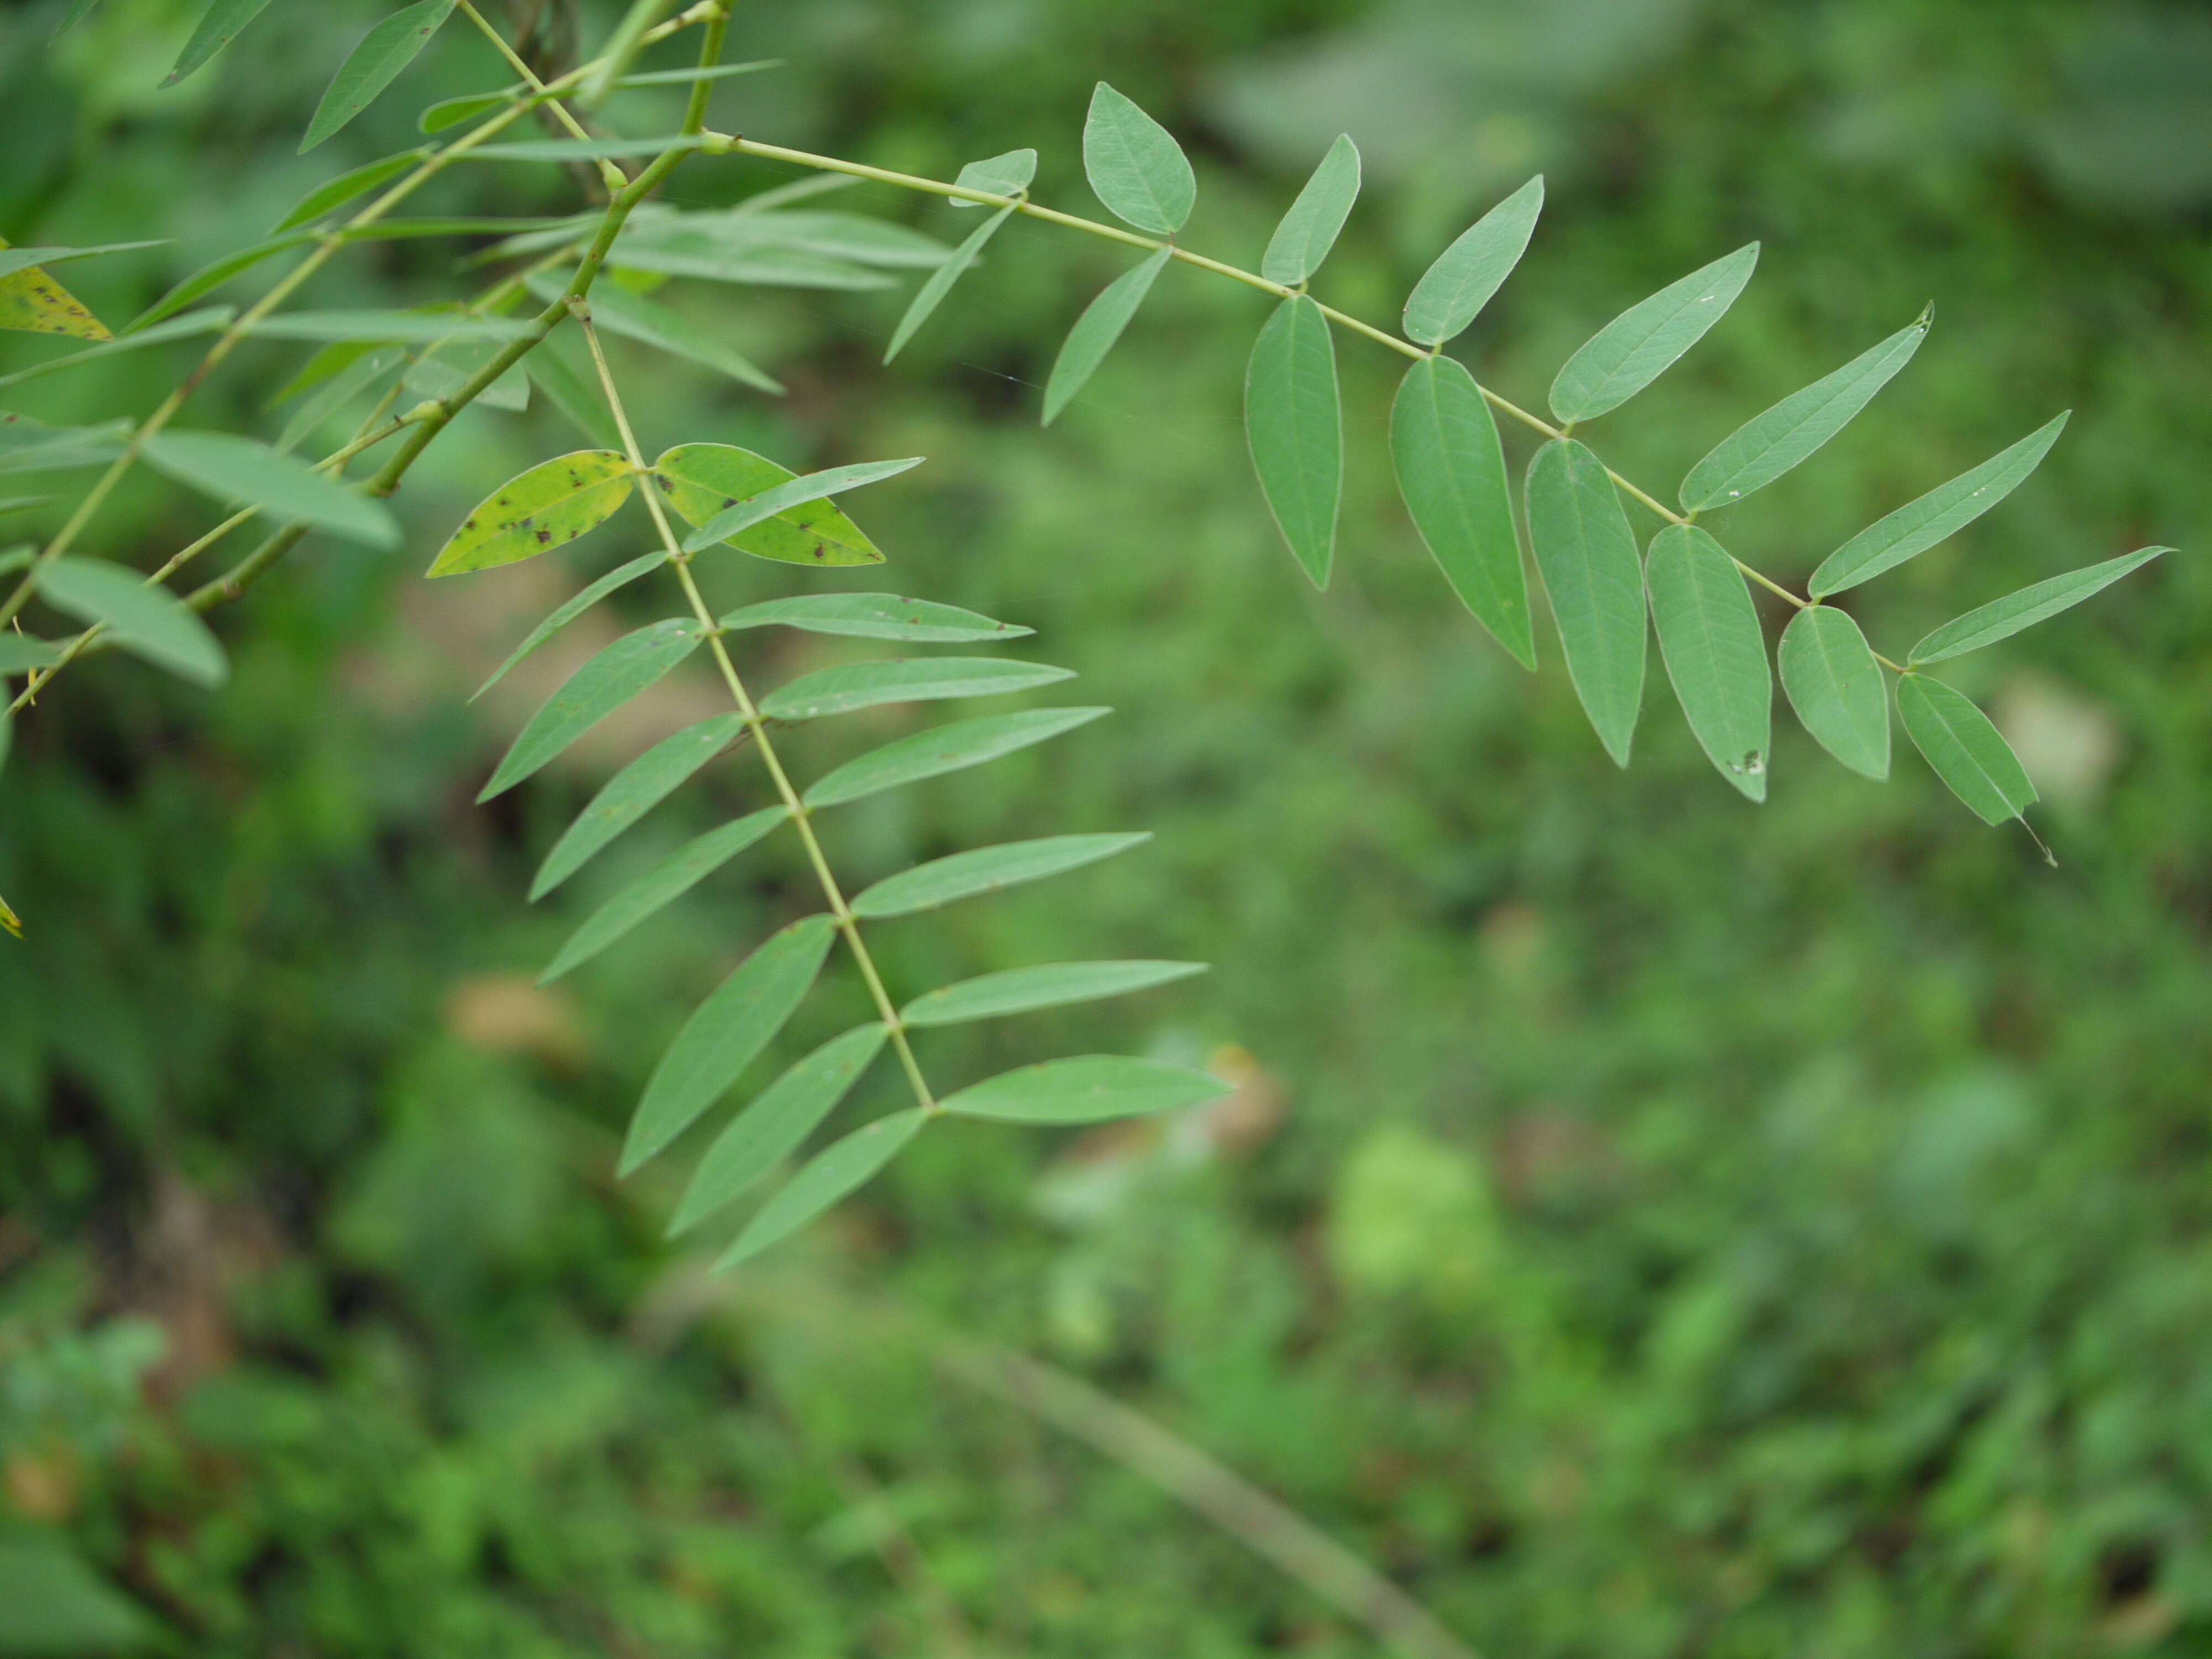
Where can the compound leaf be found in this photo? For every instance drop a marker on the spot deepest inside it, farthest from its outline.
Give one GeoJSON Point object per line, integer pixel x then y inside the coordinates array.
{"type": "Point", "coordinates": [829, 1175]}
{"type": "Point", "coordinates": [1834, 683]}
{"type": "Point", "coordinates": [621, 576]}
{"type": "Point", "coordinates": [147, 619]}
{"type": "Point", "coordinates": [1709, 639]}
{"type": "Point", "coordinates": [863, 685]}
{"type": "Point", "coordinates": [1048, 984]}
{"type": "Point", "coordinates": [1085, 1089]}
{"type": "Point", "coordinates": [700, 480]}
{"type": "Point", "coordinates": [1768, 445]}
{"type": "Point", "coordinates": [875, 616]}
{"type": "Point", "coordinates": [1451, 471]}
{"type": "Point", "coordinates": [667, 881]}
{"type": "Point", "coordinates": [1096, 329]}
{"type": "Point", "coordinates": [632, 792]}
{"type": "Point", "coordinates": [1135, 164]}
{"type": "Point", "coordinates": [1918, 525]}
{"type": "Point", "coordinates": [1967, 752]}
{"type": "Point", "coordinates": [1453, 291]}
{"type": "Point", "coordinates": [2001, 619]}
{"type": "Point", "coordinates": [940, 281]}
{"type": "Point", "coordinates": [233, 469]}
{"type": "Point", "coordinates": [1295, 424]}
{"type": "Point", "coordinates": [549, 505]}
{"type": "Point", "coordinates": [985, 869]}
{"type": "Point", "coordinates": [374, 66]}
{"type": "Point", "coordinates": [738, 1019]}
{"type": "Point", "coordinates": [602, 684]}
{"type": "Point", "coordinates": [1644, 342]}
{"type": "Point", "coordinates": [1310, 228]}
{"type": "Point", "coordinates": [1586, 555]}
{"type": "Point", "coordinates": [770, 1129]}
{"type": "Point", "coordinates": [943, 749]}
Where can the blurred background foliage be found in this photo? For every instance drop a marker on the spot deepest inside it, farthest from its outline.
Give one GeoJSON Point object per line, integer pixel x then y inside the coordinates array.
{"type": "Point", "coordinates": [1647, 1225]}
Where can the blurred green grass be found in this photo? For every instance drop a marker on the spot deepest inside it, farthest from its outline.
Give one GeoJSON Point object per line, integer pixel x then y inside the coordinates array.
{"type": "Point", "coordinates": [1651, 1225]}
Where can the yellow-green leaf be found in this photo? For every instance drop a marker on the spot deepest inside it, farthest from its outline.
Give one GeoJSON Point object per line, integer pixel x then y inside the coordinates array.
{"type": "Point", "coordinates": [35, 303]}
{"type": "Point", "coordinates": [702, 480]}
{"type": "Point", "coordinates": [548, 506]}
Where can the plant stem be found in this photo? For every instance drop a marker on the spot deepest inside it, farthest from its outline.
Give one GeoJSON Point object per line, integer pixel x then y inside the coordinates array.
{"type": "Point", "coordinates": [795, 804]}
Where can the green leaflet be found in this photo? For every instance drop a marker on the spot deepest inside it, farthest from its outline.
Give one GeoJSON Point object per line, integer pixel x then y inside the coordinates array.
{"type": "Point", "coordinates": [444, 375]}
{"type": "Point", "coordinates": [2001, 619]}
{"type": "Point", "coordinates": [29, 446]}
{"type": "Point", "coordinates": [792, 495]}
{"type": "Point", "coordinates": [633, 316]}
{"type": "Point", "coordinates": [373, 366]}
{"type": "Point", "coordinates": [829, 1175]}
{"type": "Point", "coordinates": [945, 748]}
{"type": "Point", "coordinates": [1085, 1089]}
{"type": "Point", "coordinates": [213, 276]}
{"type": "Point", "coordinates": [1050, 985]}
{"type": "Point", "coordinates": [580, 149]}
{"type": "Point", "coordinates": [770, 1129]}
{"type": "Point", "coordinates": [1709, 639]}
{"type": "Point", "coordinates": [79, 9]}
{"type": "Point", "coordinates": [1294, 425]}
{"type": "Point", "coordinates": [552, 374]}
{"type": "Point", "coordinates": [841, 239]}
{"type": "Point", "coordinates": [1918, 525]}
{"type": "Point", "coordinates": [1451, 471]}
{"type": "Point", "coordinates": [374, 66]}
{"type": "Point", "coordinates": [998, 175]}
{"type": "Point", "coordinates": [1967, 751]}
{"type": "Point", "coordinates": [1768, 445]}
{"type": "Point", "coordinates": [632, 792]}
{"type": "Point", "coordinates": [147, 620]}
{"type": "Point", "coordinates": [650, 323]}
{"type": "Point", "coordinates": [700, 480]}
{"type": "Point", "coordinates": [1096, 329]}
{"type": "Point", "coordinates": [621, 576]}
{"type": "Point", "coordinates": [218, 27]}
{"type": "Point", "coordinates": [863, 685]}
{"type": "Point", "coordinates": [547, 506]}
{"type": "Point", "coordinates": [1586, 555]}
{"type": "Point", "coordinates": [386, 327]}
{"type": "Point", "coordinates": [15, 260]}
{"type": "Point", "coordinates": [1135, 164]}
{"type": "Point", "coordinates": [1644, 342]}
{"type": "Point", "coordinates": [985, 869]}
{"type": "Point", "coordinates": [233, 469]}
{"type": "Point", "coordinates": [875, 616]}
{"type": "Point", "coordinates": [940, 281]}
{"type": "Point", "coordinates": [1834, 683]}
{"type": "Point", "coordinates": [1310, 228]}
{"type": "Point", "coordinates": [346, 186]}
{"type": "Point", "coordinates": [195, 323]}
{"type": "Point", "coordinates": [602, 685]}
{"type": "Point", "coordinates": [667, 882]}
{"type": "Point", "coordinates": [732, 1026]}
{"type": "Point", "coordinates": [1453, 291]}
{"type": "Point", "coordinates": [20, 653]}
{"type": "Point", "coordinates": [452, 111]}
